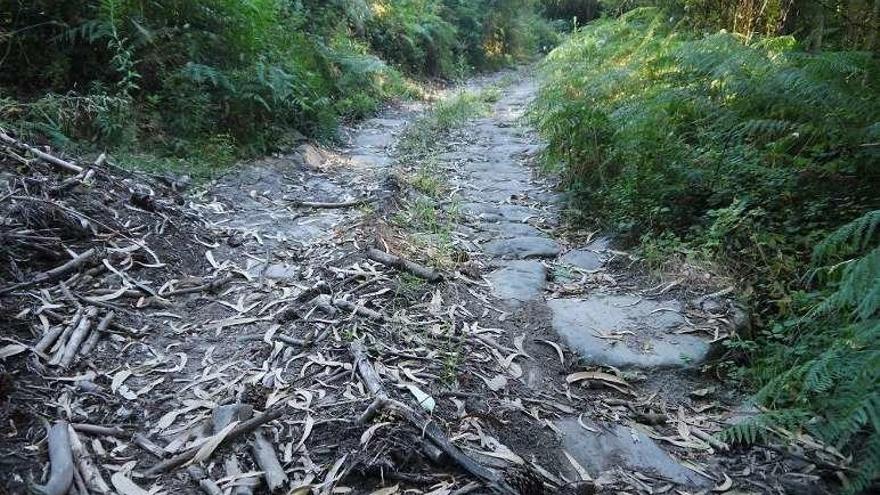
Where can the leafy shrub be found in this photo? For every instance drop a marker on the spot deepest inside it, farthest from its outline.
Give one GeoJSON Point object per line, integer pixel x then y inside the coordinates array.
{"type": "Point", "coordinates": [821, 370]}
{"type": "Point", "coordinates": [168, 75]}
{"type": "Point", "coordinates": [750, 151]}
{"type": "Point", "coordinates": [725, 143]}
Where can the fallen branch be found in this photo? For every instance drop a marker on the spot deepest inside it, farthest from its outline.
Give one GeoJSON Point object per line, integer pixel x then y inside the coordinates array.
{"type": "Point", "coordinates": [71, 182]}
{"type": "Point", "coordinates": [241, 429]}
{"type": "Point", "coordinates": [110, 431]}
{"type": "Point", "coordinates": [92, 341]}
{"type": "Point", "coordinates": [350, 307]}
{"type": "Point", "coordinates": [233, 470]}
{"type": "Point", "coordinates": [60, 461]}
{"type": "Point", "coordinates": [77, 337]}
{"type": "Point", "coordinates": [406, 265]}
{"type": "Point", "coordinates": [714, 442]}
{"type": "Point", "coordinates": [56, 333]}
{"type": "Point", "coordinates": [54, 274]}
{"type": "Point", "coordinates": [91, 475]}
{"type": "Point", "coordinates": [150, 446]}
{"type": "Point", "coordinates": [210, 286]}
{"type": "Point", "coordinates": [42, 155]}
{"type": "Point", "coordinates": [205, 483]}
{"type": "Point", "coordinates": [427, 427]}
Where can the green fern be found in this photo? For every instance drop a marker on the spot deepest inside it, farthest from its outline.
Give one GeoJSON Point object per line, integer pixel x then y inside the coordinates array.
{"type": "Point", "coordinates": [750, 151]}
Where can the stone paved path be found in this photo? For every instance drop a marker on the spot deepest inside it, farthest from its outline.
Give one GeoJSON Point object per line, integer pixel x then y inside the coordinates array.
{"type": "Point", "coordinates": [516, 217]}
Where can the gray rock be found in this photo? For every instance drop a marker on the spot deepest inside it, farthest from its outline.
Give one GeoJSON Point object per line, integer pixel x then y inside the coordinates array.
{"type": "Point", "coordinates": [600, 244]}
{"type": "Point", "coordinates": [281, 272]}
{"type": "Point", "coordinates": [519, 281]}
{"type": "Point", "coordinates": [619, 446]}
{"type": "Point", "coordinates": [652, 342]}
{"type": "Point", "coordinates": [311, 155]}
{"type": "Point", "coordinates": [368, 160]}
{"type": "Point", "coordinates": [522, 248]}
{"type": "Point", "coordinates": [496, 213]}
{"type": "Point", "coordinates": [511, 229]}
{"type": "Point", "coordinates": [581, 258]}
{"type": "Point", "coordinates": [373, 139]}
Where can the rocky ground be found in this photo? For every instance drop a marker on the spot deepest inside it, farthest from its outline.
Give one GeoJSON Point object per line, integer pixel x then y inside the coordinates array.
{"type": "Point", "coordinates": [254, 336]}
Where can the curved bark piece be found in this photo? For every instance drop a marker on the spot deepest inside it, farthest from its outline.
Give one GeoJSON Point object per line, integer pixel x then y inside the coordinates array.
{"type": "Point", "coordinates": [264, 454]}
{"type": "Point", "coordinates": [60, 461]}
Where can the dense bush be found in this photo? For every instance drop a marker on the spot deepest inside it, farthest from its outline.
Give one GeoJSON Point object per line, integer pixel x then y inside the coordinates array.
{"type": "Point", "coordinates": [217, 77]}
{"type": "Point", "coordinates": [750, 151]}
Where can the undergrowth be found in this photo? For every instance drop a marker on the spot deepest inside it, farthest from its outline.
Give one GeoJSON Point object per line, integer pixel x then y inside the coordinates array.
{"type": "Point", "coordinates": [173, 82]}
{"type": "Point", "coordinates": [757, 154]}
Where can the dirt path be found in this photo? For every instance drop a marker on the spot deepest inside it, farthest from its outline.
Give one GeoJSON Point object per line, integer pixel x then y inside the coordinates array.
{"type": "Point", "coordinates": [540, 355]}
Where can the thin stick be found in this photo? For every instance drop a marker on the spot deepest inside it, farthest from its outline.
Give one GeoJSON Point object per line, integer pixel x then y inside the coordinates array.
{"type": "Point", "coordinates": [42, 155]}
{"type": "Point", "coordinates": [109, 431]}
{"type": "Point", "coordinates": [242, 429]}
{"type": "Point", "coordinates": [329, 205]}
{"type": "Point", "coordinates": [54, 274]}
{"type": "Point", "coordinates": [406, 265]}
{"type": "Point", "coordinates": [354, 308]}
{"type": "Point", "coordinates": [428, 428]}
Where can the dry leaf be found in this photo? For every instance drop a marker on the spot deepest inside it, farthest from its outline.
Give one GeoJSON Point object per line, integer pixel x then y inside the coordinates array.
{"type": "Point", "coordinates": [119, 378]}
{"type": "Point", "coordinates": [558, 350]}
{"type": "Point", "coordinates": [125, 486]}
{"type": "Point", "coordinates": [584, 475]}
{"type": "Point", "coordinates": [391, 490]}
{"type": "Point", "coordinates": [212, 443]}
{"type": "Point", "coordinates": [596, 375]}
{"type": "Point", "coordinates": [727, 484]}
{"type": "Point", "coordinates": [496, 383]}
{"type": "Point", "coordinates": [368, 434]}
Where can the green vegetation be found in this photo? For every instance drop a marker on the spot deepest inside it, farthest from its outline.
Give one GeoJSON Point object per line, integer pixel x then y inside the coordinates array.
{"type": "Point", "coordinates": [754, 147]}
{"type": "Point", "coordinates": [428, 214]}
{"type": "Point", "coordinates": [421, 137]}
{"type": "Point", "coordinates": [173, 83]}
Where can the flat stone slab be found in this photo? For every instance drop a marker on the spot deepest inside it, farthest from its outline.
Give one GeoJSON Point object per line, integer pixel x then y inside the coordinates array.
{"type": "Point", "coordinates": [584, 259]}
{"type": "Point", "coordinates": [496, 213]}
{"type": "Point", "coordinates": [627, 332]}
{"type": "Point", "coordinates": [373, 139]}
{"type": "Point", "coordinates": [519, 281]}
{"type": "Point", "coordinates": [522, 248]}
{"type": "Point", "coordinates": [507, 230]}
{"type": "Point", "coordinates": [369, 161]}
{"type": "Point", "coordinates": [620, 446]}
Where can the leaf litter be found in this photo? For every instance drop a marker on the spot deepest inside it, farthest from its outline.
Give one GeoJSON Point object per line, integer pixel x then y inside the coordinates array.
{"type": "Point", "coordinates": [176, 309]}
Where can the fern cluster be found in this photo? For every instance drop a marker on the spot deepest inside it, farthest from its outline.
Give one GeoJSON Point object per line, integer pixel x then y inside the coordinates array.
{"type": "Point", "coordinates": [824, 365]}
{"type": "Point", "coordinates": [725, 142]}
{"type": "Point", "coordinates": [759, 154]}
{"type": "Point", "coordinates": [180, 73]}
